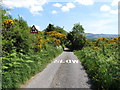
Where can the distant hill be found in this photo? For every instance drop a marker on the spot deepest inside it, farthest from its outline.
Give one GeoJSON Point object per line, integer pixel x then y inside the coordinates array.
{"type": "Point", "coordinates": [92, 36]}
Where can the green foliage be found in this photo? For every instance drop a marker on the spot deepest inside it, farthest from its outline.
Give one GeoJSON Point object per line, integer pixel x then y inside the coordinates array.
{"type": "Point", "coordinates": [17, 67]}
{"type": "Point", "coordinates": [78, 28]}
{"type": "Point", "coordinates": [49, 28]}
{"type": "Point", "coordinates": [58, 35]}
{"type": "Point", "coordinates": [102, 65]}
{"type": "Point", "coordinates": [60, 30]}
{"type": "Point", "coordinates": [77, 38]}
{"type": "Point", "coordinates": [21, 57]}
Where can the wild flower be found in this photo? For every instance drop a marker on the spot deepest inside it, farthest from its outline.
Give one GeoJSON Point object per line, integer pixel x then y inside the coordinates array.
{"type": "Point", "coordinates": [101, 39]}
{"type": "Point", "coordinates": [39, 44]}
{"type": "Point", "coordinates": [56, 35]}
{"type": "Point", "coordinates": [95, 48]}
{"type": "Point", "coordinates": [8, 21]}
{"type": "Point", "coordinates": [56, 41]}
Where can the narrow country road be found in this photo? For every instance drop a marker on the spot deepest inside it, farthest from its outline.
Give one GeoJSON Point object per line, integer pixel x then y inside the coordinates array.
{"type": "Point", "coordinates": [61, 75]}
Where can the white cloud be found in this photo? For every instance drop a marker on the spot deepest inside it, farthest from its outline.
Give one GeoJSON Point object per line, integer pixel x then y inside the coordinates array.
{"type": "Point", "coordinates": [105, 8]}
{"type": "Point", "coordinates": [57, 5]}
{"type": "Point", "coordinates": [35, 10]}
{"type": "Point", "coordinates": [114, 11]}
{"type": "Point", "coordinates": [34, 6]}
{"type": "Point", "coordinates": [54, 12]}
{"type": "Point", "coordinates": [85, 2]}
{"type": "Point", "coordinates": [68, 7]}
{"type": "Point", "coordinates": [114, 3]}
{"type": "Point", "coordinates": [65, 9]}
{"type": "Point", "coordinates": [108, 9]}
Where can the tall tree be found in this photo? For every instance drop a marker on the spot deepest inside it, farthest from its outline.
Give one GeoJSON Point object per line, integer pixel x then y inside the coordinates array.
{"type": "Point", "coordinates": [77, 37]}
{"type": "Point", "coordinates": [49, 28]}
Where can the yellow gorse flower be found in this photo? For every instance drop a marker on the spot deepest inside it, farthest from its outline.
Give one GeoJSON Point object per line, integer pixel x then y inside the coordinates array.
{"type": "Point", "coordinates": [39, 44]}
{"type": "Point", "coordinates": [56, 41]}
{"type": "Point", "coordinates": [101, 39]}
{"type": "Point", "coordinates": [108, 40]}
{"type": "Point", "coordinates": [95, 48]}
{"type": "Point", "coordinates": [8, 21]}
{"type": "Point", "coordinates": [56, 35]}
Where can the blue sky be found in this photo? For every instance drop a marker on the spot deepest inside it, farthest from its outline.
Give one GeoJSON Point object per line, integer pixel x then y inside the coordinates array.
{"type": "Point", "coordinates": [95, 16]}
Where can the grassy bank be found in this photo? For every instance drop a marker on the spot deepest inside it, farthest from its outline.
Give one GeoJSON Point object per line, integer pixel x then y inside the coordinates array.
{"type": "Point", "coordinates": [102, 65]}
{"type": "Point", "coordinates": [20, 68]}
{"type": "Point", "coordinates": [24, 52]}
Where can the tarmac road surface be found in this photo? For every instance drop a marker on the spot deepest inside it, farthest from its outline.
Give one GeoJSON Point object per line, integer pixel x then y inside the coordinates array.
{"type": "Point", "coordinates": [61, 74]}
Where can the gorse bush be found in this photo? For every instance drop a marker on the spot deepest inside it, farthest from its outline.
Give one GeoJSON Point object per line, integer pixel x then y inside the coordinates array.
{"type": "Point", "coordinates": [56, 37]}
{"type": "Point", "coordinates": [16, 37]}
{"type": "Point", "coordinates": [24, 53]}
{"type": "Point", "coordinates": [102, 63]}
